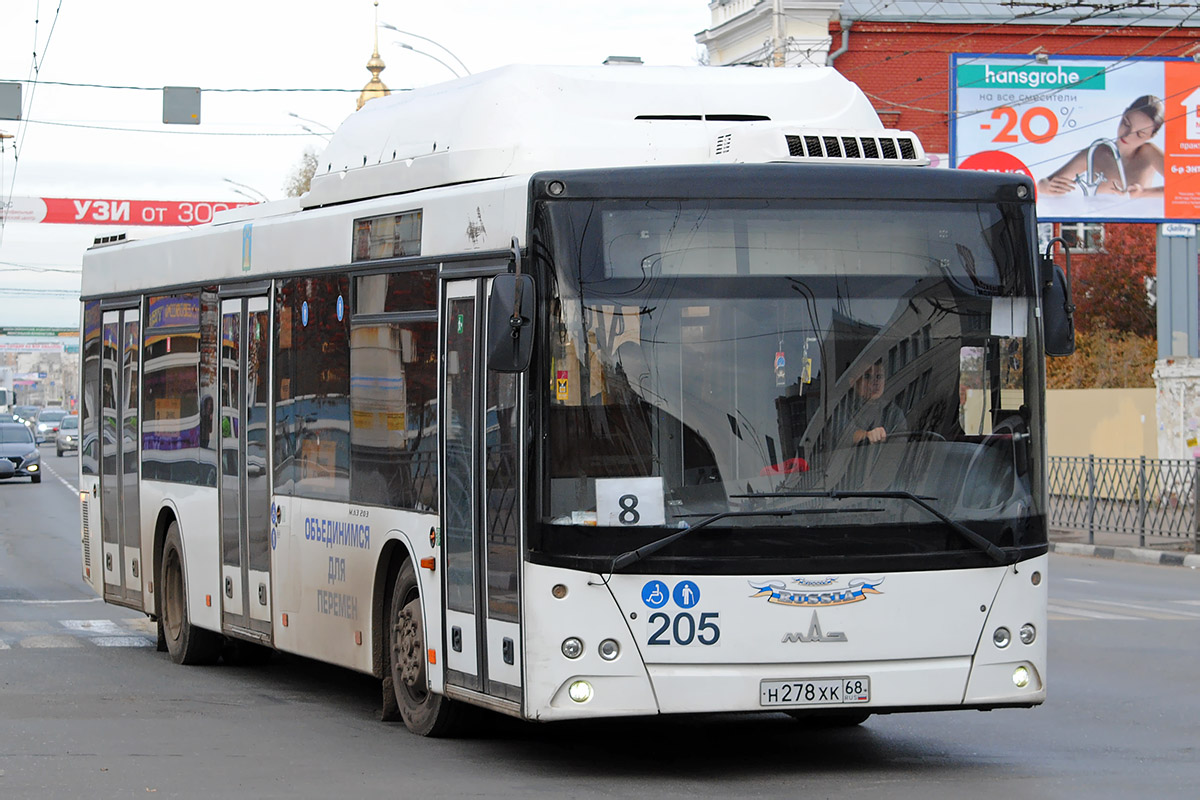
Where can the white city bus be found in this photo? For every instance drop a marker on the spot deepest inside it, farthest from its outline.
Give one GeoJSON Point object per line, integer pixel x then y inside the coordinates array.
{"type": "Point", "coordinates": [579, 392]}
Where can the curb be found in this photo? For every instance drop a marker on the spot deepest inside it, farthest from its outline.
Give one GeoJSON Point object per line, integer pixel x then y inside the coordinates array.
{"type": "Point", "coordinates": [1138, 555]}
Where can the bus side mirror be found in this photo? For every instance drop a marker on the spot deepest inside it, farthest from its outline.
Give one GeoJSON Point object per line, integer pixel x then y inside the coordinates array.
{"type": "Point", "coordinates": [510, 323]}
{"type": "Point", "coordinates": [1059, 311]}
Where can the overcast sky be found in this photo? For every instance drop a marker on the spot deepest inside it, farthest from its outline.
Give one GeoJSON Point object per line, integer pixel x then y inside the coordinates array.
{"type": "Point", "coordinates": [91, 142]}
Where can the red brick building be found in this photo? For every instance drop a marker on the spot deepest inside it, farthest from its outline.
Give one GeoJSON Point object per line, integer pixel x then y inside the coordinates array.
{"type": "Point", "coordinates": [900, 52]}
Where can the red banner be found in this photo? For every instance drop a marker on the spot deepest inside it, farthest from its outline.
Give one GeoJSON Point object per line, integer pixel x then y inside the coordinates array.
{"type": "Point", "coordinates": [98, 211]}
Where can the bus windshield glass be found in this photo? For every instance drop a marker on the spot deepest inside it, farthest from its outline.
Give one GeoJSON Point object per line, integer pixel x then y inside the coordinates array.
{"type": "Point", "coordinates": [714, 357]}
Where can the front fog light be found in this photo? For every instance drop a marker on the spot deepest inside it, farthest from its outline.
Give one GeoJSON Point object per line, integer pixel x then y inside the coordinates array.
{"type": "Point", "coordinates": [1001, 638]}
{"type": "Point", "coordinates": [580, 691]}
{"type": "Point", "coordinates": [32, 468]}
{"type": "Point", "coordinates": [609, 649]}
{"type": "Point", "coordinates": [1021, 677]}
{"type": "Point", "coordinates": [1027, 633]}
{"type": "Point", "coordinates": [572, 648]}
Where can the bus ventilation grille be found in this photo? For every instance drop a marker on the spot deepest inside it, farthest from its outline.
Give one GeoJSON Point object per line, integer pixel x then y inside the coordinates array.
{"type": "Point", "coordinates": [878, 148]}
{"type": "Point", "coordinates": [87, 538]}
{"type": "Point", "coordinates": [724, 142]}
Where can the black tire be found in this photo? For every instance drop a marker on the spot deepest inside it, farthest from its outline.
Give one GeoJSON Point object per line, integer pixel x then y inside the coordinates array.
{"type": "Point", "coordinates": [828, 721]}
{"type": "Point", "coordinates": [424, 713]}
{"type": "Point", "coordinates": [35, 478]}
{"type": "Point", "coordinates": [186, 643]}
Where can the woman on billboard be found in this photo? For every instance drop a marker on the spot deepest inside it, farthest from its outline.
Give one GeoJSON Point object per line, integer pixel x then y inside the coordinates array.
{"type": "Point", "coordinates": [1140, 159]}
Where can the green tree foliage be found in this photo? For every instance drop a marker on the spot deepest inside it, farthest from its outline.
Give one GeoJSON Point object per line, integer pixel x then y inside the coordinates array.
{"type": "Point", "coordinates": [298, 182]}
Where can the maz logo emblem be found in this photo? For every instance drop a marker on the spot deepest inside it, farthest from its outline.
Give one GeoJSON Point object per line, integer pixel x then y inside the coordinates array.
{"type": "Point", "coordinates": [814, 634]}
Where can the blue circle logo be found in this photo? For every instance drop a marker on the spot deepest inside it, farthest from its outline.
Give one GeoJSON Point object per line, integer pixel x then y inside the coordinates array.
{"type": "Point", "coordinates": [686, 594]}
{"type": "Point", "coordinates": [655, 594]}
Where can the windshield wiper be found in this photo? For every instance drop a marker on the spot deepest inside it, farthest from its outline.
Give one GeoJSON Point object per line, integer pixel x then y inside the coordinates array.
{"type": "Point", "coordinates": [634, 556]}
{"type": "Point", "coordinates": [993, 551]}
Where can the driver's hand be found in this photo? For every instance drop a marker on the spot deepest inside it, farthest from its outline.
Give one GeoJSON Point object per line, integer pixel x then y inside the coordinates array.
{"type": "Point", "coordinates": [873, 436]}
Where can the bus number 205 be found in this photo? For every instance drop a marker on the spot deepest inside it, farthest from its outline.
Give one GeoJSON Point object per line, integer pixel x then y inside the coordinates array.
{"type": "Point", "coordinates": [684, 629]}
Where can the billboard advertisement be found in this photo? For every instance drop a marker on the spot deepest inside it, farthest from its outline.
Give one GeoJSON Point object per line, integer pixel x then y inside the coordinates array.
{"type": "Point", "coordinates": [1106, 139]}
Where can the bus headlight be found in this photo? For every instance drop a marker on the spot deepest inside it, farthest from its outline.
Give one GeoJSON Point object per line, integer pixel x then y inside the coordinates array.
{"type": "Point", "coordinates": [1027, 633]}
{"type": "Point", "coordinates": [1021, 677]}
{"type": "Point", "coordinates": [580, 691]}
{"type": "Point", "coordinates": [609, 649]}
{"type": "Point", "coordinates": [572, 648]}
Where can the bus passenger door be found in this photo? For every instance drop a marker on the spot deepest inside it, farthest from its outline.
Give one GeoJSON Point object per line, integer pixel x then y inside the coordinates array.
{"type": "Point", "coordinates": [481, 504]}
{"type": "Point", "coordinates": [244, 475]}
{"type": "Point", "coordinates": [120, 515]}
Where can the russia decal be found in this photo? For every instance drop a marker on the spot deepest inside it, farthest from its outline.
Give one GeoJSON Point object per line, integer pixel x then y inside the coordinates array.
{"type": "Point", "coordinates": [803, 595]}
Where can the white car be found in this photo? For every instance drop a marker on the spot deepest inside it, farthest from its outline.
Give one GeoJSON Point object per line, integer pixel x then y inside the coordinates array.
{"type": "Point", "coordinates": [46, 427]}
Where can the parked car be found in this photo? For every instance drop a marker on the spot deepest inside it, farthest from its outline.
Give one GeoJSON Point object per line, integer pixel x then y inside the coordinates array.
{"type": "Point", "coordinates": [46, 427]}
{"type": "Point", "coordinates": [68, 434]}
{"type": "Point", "coordinates": [19, 456]}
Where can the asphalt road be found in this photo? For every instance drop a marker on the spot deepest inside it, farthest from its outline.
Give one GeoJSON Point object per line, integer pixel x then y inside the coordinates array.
{"type": "Point", "coordinates": [89, 708]}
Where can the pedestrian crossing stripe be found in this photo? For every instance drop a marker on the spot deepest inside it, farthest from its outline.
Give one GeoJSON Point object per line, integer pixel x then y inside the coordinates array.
{"type": "Point", "coordinates": [75, 633]}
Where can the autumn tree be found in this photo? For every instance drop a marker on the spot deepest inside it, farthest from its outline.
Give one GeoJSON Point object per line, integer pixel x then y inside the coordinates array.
{"type": "Point", "coordinates": [1110, 290]}
{"type": "Point", "coordinates": [302, 175]}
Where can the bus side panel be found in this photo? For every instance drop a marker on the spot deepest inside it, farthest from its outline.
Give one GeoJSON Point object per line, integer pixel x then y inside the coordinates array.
{"type": "Point", "coordinates": [91, 540]}
{"type": "Point", "coordinates": [324, 579]}
{"type": "Point", "coordinates": [195, 508]}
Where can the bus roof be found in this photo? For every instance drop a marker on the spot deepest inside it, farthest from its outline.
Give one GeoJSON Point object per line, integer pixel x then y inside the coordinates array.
{"type": "Point", "coordinates": [520, 119]}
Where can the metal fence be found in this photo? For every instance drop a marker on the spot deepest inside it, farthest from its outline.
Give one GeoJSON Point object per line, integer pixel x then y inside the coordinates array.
{"type": "Point", "coordinates": [1147, 501]}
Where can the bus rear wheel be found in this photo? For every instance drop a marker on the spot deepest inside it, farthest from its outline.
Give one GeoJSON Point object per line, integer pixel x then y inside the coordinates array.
{"type": "Point", "coordinates": [186, 643]}
{"type": "Point", "coordinates": [424, 712]}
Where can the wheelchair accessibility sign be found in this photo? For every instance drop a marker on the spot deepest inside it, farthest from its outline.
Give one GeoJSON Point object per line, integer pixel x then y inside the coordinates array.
{"type": "Point", "coordinates": [655, 594]}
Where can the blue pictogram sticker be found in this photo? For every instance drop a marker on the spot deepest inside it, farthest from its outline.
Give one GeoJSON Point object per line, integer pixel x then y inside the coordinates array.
{"type": "Point", "coordinates": [655, 594]}
{"type": "Point", "coordinates": [274, 534]}
{"type": "Point", "coordinates": [341, 308]}
{"type": "Point", "coordinates": [686, 594]}
{"type": "Point", "coordinates": [304, 313]}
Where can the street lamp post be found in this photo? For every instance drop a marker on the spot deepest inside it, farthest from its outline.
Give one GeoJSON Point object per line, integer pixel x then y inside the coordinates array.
{"type": "Point", "coordinates": [326, 134]}
{"type": "Point", "coordinates": [432, 42]}
{"type": "Point", "coordinates": [453, 71]}
{"type": "Point", "coordinates": [261, 198]}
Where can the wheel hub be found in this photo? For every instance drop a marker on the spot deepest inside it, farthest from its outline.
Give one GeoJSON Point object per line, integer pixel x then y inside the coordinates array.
{"type": "Point", "coordinates": [410, 646]}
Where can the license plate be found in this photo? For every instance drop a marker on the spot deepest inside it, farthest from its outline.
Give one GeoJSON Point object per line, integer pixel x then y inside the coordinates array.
{"type": "Point", "coordinates": [819, 692]}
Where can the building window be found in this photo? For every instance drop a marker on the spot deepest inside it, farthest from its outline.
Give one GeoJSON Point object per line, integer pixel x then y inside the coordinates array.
{"type": "Point", "coordinates": [1083, 237]}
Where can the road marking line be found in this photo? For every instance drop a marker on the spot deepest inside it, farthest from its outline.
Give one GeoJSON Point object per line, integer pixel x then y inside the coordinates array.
{"type": "Point", "coordinates": [35, 642]}
{"type": "Point", "coordinates": [1088, 614]}
{"type": "Point", "coordinates": [1078, 580]}
{"type": "Point", "coordinates": [1151, 609]}
{"type": "Point", "coordinates": [1187, 602]}
{"type": "Point", "coordinates": [122, 641]}
{"type": "Point", "coordinates": [52, 602]}
{"type": "Point", "coordinates": [101, 626]}
{"type": "Point", "coordinates": [74, 489]}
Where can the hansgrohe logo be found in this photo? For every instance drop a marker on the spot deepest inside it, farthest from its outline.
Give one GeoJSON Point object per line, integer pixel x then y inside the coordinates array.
{"type": "Point", "coordinates": [993, 76]}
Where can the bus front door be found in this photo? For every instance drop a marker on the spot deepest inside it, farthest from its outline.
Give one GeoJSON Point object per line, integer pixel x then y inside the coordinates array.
{"type": "Point", "coordinates": [120, 525]}
{"type": "Point", "coordinates": [481, 504]}
{"type": "Point", "coordinates": [244, 474]}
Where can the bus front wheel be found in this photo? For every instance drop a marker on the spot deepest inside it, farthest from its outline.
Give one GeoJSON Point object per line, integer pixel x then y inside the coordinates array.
{"type": "Point", "coordinates": [186, 643]}
{"type": "Point", "coordinates": [424, 712]}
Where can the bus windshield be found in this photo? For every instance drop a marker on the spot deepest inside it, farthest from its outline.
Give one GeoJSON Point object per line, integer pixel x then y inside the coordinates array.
{"type": "Point", "coordinates": [713, 357]}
